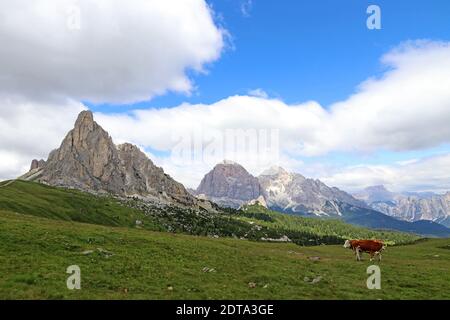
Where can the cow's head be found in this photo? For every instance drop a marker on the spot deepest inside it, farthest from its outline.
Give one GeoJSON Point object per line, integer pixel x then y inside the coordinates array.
{"type": "Point", "coordinates": [347, 244]}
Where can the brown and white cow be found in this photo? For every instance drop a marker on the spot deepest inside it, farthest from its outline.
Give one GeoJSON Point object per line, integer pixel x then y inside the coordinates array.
{"type": "Point", "coordinates": [373, 247]}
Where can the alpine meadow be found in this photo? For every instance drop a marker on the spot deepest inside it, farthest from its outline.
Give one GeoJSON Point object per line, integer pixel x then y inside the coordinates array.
{"type": "Point", "coordinates": [224, 159]}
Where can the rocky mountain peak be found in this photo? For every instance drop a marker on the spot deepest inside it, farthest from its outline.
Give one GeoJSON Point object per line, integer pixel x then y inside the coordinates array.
{"type": "Point", "coordinates": [230, 163]}
{"type": "Point", "coordinates": [292, 192]}
{"type": "Point", "coordinates": [88, 160]}
{"type": "Point", "coordinates": [375, 194]}
{"type": "Point", "coordinates": [273, 171]}
{"type": "Point", "coordinates": [229, 184]}
{"type": "Point", "coordinates": [85, 118]}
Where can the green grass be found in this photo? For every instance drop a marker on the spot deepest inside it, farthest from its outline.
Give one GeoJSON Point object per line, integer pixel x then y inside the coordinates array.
{"type": "Point", "coordinates": [35, 252]}
{"type": "Point", "coordinates": [71, 205]}
{"type": "Point", "coordinates": [43, 230]}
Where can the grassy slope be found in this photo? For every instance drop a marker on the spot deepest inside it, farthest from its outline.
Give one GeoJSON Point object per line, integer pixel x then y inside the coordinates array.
{"type": "Point", "coordinates": [322, 227]}
{"type": "Point", "coordinates": [35, 252]}
{"type": "Point", "coordinates": [63, 204]}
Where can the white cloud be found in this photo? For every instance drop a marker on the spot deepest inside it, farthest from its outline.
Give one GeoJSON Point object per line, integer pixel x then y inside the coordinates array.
{"type": "Point", "coordinates": [408, 108]}
{"type": "Point", "coordinates": [104, 50]}
{"type": "Point", "coordinates": [428, 174]}
{"type": "Point", "coordinates": [57, 53]}
{"type": "Point", "coordinates": [260, 93]}
{"type": "Point", "coordinates": [31, 130]}
{"type": "Point", "coordinates": [11, 165]}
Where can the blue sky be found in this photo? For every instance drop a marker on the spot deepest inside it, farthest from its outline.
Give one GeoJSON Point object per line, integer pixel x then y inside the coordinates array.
{"type": "Point", "coordinates": [304, 50]}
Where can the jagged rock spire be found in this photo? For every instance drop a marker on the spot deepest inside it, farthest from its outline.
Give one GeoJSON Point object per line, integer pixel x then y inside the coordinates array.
{"type": "Point", "coordinates": [88, 160]}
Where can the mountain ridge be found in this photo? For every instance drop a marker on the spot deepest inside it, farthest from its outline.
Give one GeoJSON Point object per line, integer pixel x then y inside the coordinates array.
{"type": "Point", "coordinates": [229, 184]}
{"type": "Point", "coordinates": [88, 160]}
{"type": "Point", "coordinates": [410, 206]}
{"type": "Point", "coordinates": [295, 194]}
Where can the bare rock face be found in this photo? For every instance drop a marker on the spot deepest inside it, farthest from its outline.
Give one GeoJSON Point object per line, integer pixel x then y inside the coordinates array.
{"type": "Point", "coordinates": [408, 206]}
{"type": "Point", "coordinates": [230, 185]}
{"type": "Point", "coordinates": [293, 193]}
{"type": "Point", "coordinates": [88, 160]}
{"type": "Point", "coordinates": [260, 201]}
{"type": "Point", "coordinates": [143, 177]}
{"type": "Point", "coordinates": [37, 164]}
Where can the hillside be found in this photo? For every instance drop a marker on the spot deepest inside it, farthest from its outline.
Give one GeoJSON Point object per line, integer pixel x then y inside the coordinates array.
{"type": "Point", "coordinates": [360, 224]}
{"type": "Point", "coordinates": [381, 221]}
{"type": "Point", "coordinates": [66, 204]}
{"type": "Point", "coordinates": [125, 263]}
{"type": "Point", "coordinates": [322, 227]}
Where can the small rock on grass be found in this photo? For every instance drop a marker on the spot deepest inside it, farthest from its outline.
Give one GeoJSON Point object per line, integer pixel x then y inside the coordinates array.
{"type": "Point", "coordinates": [314, 280]}
{"type": "Point", "coordinates": [105, 252]}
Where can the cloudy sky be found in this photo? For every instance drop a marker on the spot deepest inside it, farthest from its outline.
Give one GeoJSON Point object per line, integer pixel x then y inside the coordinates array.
{"type": "Point", "coordinates": [305, 84]}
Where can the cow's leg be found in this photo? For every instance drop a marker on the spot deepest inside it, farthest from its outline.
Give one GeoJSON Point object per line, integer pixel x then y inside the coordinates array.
{"type": "Point", "coordinates": [371, 256]}
{"type": "Point", "coordinates": [358, 256]}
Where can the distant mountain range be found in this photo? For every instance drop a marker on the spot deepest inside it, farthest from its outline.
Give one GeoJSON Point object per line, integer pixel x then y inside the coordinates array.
{"type": "Point", "coordinates": [230, 184]}
{"type": "Point", "coordinates": [408, 206]}
{"type": "Point", "coordinates": [88, 160]}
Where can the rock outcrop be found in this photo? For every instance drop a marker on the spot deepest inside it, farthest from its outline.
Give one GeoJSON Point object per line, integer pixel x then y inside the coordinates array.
{"type": "Point", "coordinates": [293, 193]}
{"type": "Point", "coordinates": [143, 177]}
{"type": "Point", "coordinates": [230, 185]}
{"type": "Point", "coordinates": [260, 201]}
{"type": "Point", "coordinates": [37, 164]}
{"type": "Point", "coordinates": [88, 160]}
